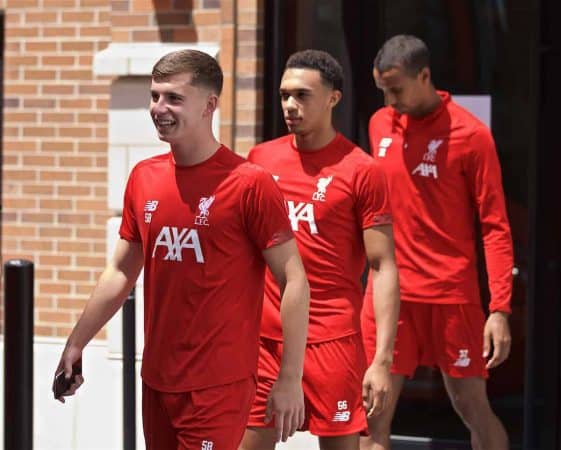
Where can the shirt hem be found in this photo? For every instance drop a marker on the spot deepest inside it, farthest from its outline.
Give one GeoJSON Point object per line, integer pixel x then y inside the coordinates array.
{"type": "Point", "coordinates": [195, 387]}
{"type": "Point", "coordinates": [315, 341]}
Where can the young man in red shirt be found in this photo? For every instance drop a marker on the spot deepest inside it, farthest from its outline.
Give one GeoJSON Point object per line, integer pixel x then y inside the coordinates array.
{"type": "Point", "coordinates": [204, 223]}
{"type": "Point", "coordinates": [443, 172]}
{"type": "Point", "coordinates": [339, 210]}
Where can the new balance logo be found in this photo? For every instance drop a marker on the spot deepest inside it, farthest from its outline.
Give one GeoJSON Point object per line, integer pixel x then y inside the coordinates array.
{"type": "Point", "coordinates": [342, 415]}
{"type": "Point", "coordinates": [204, 205]}
{"type": "Point", "coordinates": [175, 240]}
{"type": "Point", "coordinates": [463, 359]}
{"type": "Point", "coordinates": [149, 207]}
{"type": "Point", "coordinates": [319, 195]}
{"type": "Point", "coordinates": [301, 211]}
{"type": "Point", "coordinates": [426, 170]}
{"type": "Point", "coordinates": [383, 146]}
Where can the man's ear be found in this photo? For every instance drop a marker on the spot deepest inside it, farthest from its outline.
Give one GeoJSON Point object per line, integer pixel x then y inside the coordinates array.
{"type": "Point", "coordinates": [424, 75]}
{"type": "Point", "coordinates": [211, 104]}
{"type": "Point", "coordinates": [335, 97]}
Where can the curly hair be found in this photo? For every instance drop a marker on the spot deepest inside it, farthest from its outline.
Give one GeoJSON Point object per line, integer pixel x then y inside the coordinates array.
{"type": "Point", "coordinates": [329, 68]}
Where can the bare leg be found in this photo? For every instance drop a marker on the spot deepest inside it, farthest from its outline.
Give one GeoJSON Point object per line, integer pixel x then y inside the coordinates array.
{"type": "Point", "coordinates": [380, 426]}
{"type": "Point", "coordinates": [469, 399]}
{"type": "Point", "coordinates": [258, 439]}
{"type": "Point", "coordinates": [348, 442]}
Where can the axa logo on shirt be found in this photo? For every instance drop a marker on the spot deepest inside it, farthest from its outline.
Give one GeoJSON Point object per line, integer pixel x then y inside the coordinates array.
{"type": "Point", "coordinates": [204, 206]}
{"type": "Point", "coordinates": [383, 146]}
{"type": "Point", "coordinates": [428, 168]}
{"type": "Point", "coordinates": [319, 195]}
{"type": "Point", "coordinates": [174, 240]}
{"type": "Point", "coordinates": [149, 207]}
{"type": "Point", "coordinates": [301, 211]}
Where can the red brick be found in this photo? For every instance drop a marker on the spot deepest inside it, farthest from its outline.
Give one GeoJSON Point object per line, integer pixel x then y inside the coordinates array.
{"type": "Point", "coordinates": [43, 46]}
{"type": "Point", "coordinates": [49, 146]}
{"type": "Point", "coordinates": [38, 189]}
{"type": "Point", "coordinates": [58, 60]}
{"type": "Point", "coordinates": [129, 20]}
{"type": "Point", "coordinates": [58, 89]}
{"type": "Point", "coordinates": [39, 103]}
{"type": "Point", "coordinates": [61, 31]}
{"type": "Point", "coordinates": [55, 204]}
{"type": "Point", "coordinates": [74, 275]}
{"type": "Point", "coordinates": [37, 217]}
{"type": "Point", "coordinates": [38, 131]}
{"type": "Point", "coordinates": [38, 160]}
{"type": "Point", "coordinates": [55, 260]}
{"type": "Point", "coordinates": [55, 231]}
{"type": "Point", "coordinates": [37, 245]}
{"type": "Point", "coordinates": [77, 16]}
{"type": "Point", "coordinates": [52, 175]}
{"type": "Point", "coordinates": [76, 218]}
{"type": "Point", "coordinates": [79, 132]}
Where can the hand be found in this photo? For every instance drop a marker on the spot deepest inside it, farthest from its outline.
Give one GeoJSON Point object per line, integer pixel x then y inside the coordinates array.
{"type": "Point", "coordinates": [376, 389]}
{"type": "Point", "coordinates": [69, 357]}
{"type": "Point", "coordinates": [286, 404]}
{"type": "Point", "coordinates": [496, 331]}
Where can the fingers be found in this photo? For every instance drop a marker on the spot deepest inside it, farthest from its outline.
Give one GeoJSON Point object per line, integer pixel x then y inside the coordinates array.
{"type": "Point", "coordinates": [486, 343]}
{"type": "Point", "coordinates": [367, 398]}
{"type": "Point", "coordinates": [279, 427]}
{"type": "Point", "coordinates": [501, 350]}
{"type": "Point", "coordinates": [378, 404]}
{"type": "Point", "coordinates": [269, 410]}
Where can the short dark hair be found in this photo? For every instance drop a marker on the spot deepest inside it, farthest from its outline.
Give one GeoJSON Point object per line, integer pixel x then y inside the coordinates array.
{"type": "Point", "coordinates": [329, 68]}
{"type": "Point", "coordinates": [403, 51]}
{"type": "Point", "coordinates": [204, 69]}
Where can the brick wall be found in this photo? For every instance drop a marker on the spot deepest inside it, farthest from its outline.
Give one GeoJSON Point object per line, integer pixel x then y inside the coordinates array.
{"type": "Point", "coordinates": [54, 149]}
{"type": "Point", "coordinates": [56, 124]}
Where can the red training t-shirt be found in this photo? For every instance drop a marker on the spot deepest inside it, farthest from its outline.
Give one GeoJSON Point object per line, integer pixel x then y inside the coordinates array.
{"type": "Point", "coordinates": [202, 229]}
{"type": "Point", "coordinates": [443, 173]}
{"type": "Point", "coordinates": [332, 195]}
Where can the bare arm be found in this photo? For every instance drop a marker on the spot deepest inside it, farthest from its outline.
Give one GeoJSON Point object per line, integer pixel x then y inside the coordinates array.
{"type": "Point", "coordinates": [112, 288]}
{"type": "Point", "coordinates": [378, 242]}
{"type": "Point", "coordinates": [286, 401]}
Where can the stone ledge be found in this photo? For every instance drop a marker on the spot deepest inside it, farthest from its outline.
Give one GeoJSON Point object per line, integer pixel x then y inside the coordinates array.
{"type": "Point", "coordinates": [126, 59]}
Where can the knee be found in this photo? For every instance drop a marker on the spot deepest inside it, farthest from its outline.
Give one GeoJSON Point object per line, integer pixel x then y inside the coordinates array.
{"type": "Point", "coordinates": [469, 408]}
{"type": "Point", "coordinates": [380, 426]}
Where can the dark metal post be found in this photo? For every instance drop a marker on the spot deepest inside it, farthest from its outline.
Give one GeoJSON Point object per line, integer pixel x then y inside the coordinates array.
{"type": "Point", "coordinates": [18, 355]}
{"type": "Point", "coordinates": [129, 373]}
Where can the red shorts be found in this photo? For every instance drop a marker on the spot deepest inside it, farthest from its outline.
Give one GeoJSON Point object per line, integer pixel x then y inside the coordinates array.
{"type": "Point", "coordinates": [332, 385]}
{"type": "Point", "coordinates": [446, 336]}
{"type": "Point", "coordinates": [205, 419]}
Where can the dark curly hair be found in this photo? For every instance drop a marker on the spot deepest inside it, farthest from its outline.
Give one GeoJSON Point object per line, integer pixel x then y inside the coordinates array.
{"type": "Point", "coordinates": [329, 68]}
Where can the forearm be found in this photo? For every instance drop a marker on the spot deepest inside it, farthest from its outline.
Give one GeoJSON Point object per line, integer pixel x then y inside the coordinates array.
{"type": "Point", "coordinates": [386, 310]}
{"type": "Point", "coordinates": [108, 296]}
{"type": "Point", "coordinates": [294, 316]}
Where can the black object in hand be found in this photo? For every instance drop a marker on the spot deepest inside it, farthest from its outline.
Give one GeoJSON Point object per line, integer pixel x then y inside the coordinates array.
{"type": "Point", "coordinates": [62, 384]}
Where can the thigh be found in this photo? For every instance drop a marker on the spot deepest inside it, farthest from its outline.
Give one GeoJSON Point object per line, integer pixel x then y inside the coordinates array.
{"type": "Point", "coordinates": [332, 385]}
{"type": "Point", "coordinates": [349, 442]}
{"type": "Point", "coordinates": [458, 340]}
{"type": "Point", "coordinates": [408, 341]}
{"type": "Point", "coordinates": [267, 372]}
{"type": "Point", "coordinates": [159, 433]}
{"type": "Point", "coordinates": [213, 418]}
